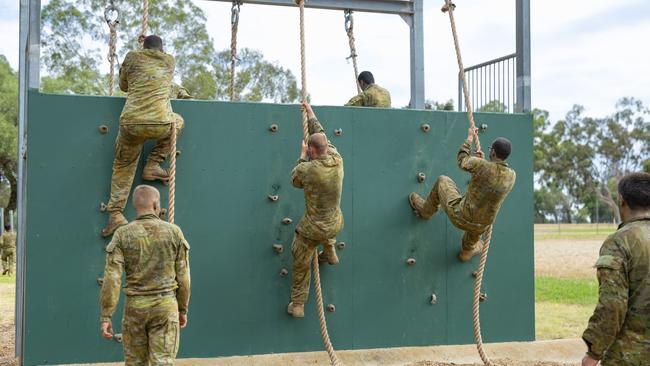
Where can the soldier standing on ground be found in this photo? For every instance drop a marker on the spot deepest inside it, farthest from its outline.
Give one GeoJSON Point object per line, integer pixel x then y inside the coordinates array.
{"type": "Point", "coordinates": [490, 184]}
{"type": "Point", "coordinates": [155, 256]}
{"type": "Point", "coordinates": [8, 248]}
{"type": "Point", "coordinates": [320, 174]}
{"type": "Point", "coordinates": [372, 95]}
{"type": "Point", "coordinates": [618, 333]}
{"type": "Point", "coordinates": [146, 75]}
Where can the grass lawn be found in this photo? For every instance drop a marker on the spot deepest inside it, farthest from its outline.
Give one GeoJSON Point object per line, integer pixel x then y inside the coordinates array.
{"type": "Point", "coordinates": [573, 231]}
{"type": "Point", "coordinates": [563, 306]}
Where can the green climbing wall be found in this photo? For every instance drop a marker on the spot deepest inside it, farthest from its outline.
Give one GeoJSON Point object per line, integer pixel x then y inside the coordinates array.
{"type": "Point", "coordinates": [230, 164]}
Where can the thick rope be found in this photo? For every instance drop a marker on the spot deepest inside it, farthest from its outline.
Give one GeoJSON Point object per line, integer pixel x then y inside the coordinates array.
{"type": "Point", "coordinates": [234, 21]}
{"type": "Point", "coordinates": [172, 174]}
{"type": "Point", "coordinates": [112, 18]}
{"type": "Point", "coordinates": [487, 236]}
{"type": "Point", "coordinates": [145, 21]}
{"type": "Point", "coordinates": [349, 29]}
{"type": "Point", "coordinates": [315, 265]}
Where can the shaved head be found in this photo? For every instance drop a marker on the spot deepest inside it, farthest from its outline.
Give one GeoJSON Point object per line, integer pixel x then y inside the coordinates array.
{"type": "Point", "coordinates": [318, 142]}
{"type": "Point", "coordinates": [145, 198]}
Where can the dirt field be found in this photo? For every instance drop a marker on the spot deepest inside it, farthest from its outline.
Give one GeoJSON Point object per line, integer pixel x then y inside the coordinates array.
{"type": "Point", "coordinates": [505, 362]}
{"type": "Point", "coordinates": [566, 258]}
{"type": "Point", "coordinates": [7, 296]}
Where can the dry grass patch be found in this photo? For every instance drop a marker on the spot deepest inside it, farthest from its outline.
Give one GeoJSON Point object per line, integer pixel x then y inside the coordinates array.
{"type": "Point", "coordinates": [561, 321]}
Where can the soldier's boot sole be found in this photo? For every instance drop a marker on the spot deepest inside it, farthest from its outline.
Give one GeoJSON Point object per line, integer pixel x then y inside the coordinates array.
{"type": "Point", "coordinates": [114, 222]}
{"type": "Point", "coordinates": [328, 257]}
{"type": "Point", "coordinates": [296, 310]}
{"type": "Point", "coordinates": [153, 172]}
{"type": "Point", "coordinates": [467, 255]}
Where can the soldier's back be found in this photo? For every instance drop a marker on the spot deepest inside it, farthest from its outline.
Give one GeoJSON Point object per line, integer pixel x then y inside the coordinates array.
{"type": "Point", "coordinates": [149, 75]}
{"type": "Point", "coordinates": [150, 247]}
{"type": "Point", "coordinates": [488, 188]}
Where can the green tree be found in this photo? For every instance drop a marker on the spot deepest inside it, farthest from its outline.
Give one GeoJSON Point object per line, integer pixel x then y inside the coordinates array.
{"type": "Point", "coordinates": [440, 106]}
{"type": "Point", "coordinates": [9, 125]}
{"type": "Point", "coordinates": [494, 106]}
{"type": "Point", "coordinates": [74, 64]}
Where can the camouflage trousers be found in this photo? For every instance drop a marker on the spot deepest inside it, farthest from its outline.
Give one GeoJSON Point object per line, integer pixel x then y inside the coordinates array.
{"type": "Point", "coordinates": [128, 148]}
{"type": "Point", "coordinates": [302, 250]}
{"type": "Point", "coordinates": [150, 330]}
{"type": "Point", "coordinates": [8, 262]}
{"type": "Point", "coordinates": [445, 193]}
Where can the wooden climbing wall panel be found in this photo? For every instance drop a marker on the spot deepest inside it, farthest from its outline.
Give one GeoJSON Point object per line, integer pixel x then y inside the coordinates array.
{"type": "Point", "coordinates": [230, 164]}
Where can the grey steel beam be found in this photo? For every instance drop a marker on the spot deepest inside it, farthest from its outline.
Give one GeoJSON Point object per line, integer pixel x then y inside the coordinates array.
{"type": "Point", "coordinates": [372, 6]}
{"type": "Point", "coordinates": [417, 55]}
{"type": "Point", "coordinates": [29, 78]}
{"type": "Point", "coordinates": [523, 104]}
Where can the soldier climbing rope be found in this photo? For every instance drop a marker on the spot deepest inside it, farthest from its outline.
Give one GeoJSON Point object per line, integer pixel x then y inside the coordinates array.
{"type": "Point", "coordinates": [315, 265]}
{"type": "Point", "coordinates": [449, 7]}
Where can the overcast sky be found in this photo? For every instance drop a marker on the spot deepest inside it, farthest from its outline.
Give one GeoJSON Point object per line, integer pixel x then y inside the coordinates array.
{"type": "Point", "coordinates": [591, 53]}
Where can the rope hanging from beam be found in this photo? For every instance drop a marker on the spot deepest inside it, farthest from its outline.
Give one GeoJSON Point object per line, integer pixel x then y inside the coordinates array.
{"type": "Point", "coordinates": [315, 265]}
{"type": "Point", "coordinates": [349, 30]}
{"type": "Point", "coordinates": [234, 25]}
{"type": "Point", "coordinates": [112, 18]}
{"type": "Point", "coordinates": [449, 8]}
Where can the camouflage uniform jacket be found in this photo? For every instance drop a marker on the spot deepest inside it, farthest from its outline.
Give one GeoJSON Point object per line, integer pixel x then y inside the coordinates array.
{"type": "Point", "coordinates": [619, 330]}
{"type": "Point", "coordinates": [154, 255]}
{"type": "Point", "coordinates": [322, 181]}
{"type": "Point", "coordinates": [8, 243]}
{"type": "Point", "coordinates": [490, 184]}
{"type": "Point", "coordinates": [179, 92]}
{"type": "Point", "coordinates": [146, 75]}
{"type": "Point", "coordinates": [373, 96]}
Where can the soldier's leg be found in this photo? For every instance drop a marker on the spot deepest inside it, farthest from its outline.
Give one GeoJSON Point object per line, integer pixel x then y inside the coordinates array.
{"type": "Point", "coordinates": [471, 245]}
{"type": "Point", "coordinates": [164, 143]}
{"type": "Point", "coordinates": [134, 333]}
{"type": "Point", "coordinates": [127, 153]}
{"type": "Point", "coordinates": [164, 332]}
{"type": "Point", "coordinates": [302, 251]}
{"type": "Point", "coordinates": [444, 190]}
{"type": "Point", "coordinates": [11, 263]}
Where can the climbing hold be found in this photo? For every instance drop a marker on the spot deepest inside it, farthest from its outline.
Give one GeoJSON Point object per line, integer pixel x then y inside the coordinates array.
{"type": "Point", "coordinates": [118, 337]}
{"type": "Point", "coordinates": [274, 128]}
{"type": "Point", "coordinates": [410, 261]}
{"type": "Point", "coordinates": [284, 272]}
{"type": "Point", "coordinates": [331, 308]}
{"type": "Point", "coordinates": [103, 129]}
{"type": "Point", "coordinates": [102, 207]}
{"type": "Point", "coordinates": [482, 297]}
{"type": "Point", "coordinates": [434, 299]}
{"type": "Point", "coordinates": [338, 132]}
{"type": "Point", "coordinates": [178, 153]}
{"type": "Point", "coordinates": [287, 221]}
{"type": "Point", "coordinates": [278, 248]}
{"type": "Point", "coordinates": [421, 177]}
{"type": "Point", "coordinates": [483, 127]}
{"type": "Point", "coordinates": [474, 274]}
{"type": "Point", "coordinates": [425, 127]}
{"type": "Point", "coordinates": [341, 245]}
{"type": "Point", "coordinates": [100, 281]}
{"type": "Point", "coordinates": [274, 198]}
{"type": "Point", "coordinates": [163, 212]}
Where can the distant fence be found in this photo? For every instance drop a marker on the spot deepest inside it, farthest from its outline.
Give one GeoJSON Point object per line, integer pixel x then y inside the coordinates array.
{"type": "Point", "coordinates": [492, 85]}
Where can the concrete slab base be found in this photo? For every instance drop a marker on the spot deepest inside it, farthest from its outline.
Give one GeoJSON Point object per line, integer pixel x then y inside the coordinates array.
{"type": "Point", "coordinates": [566, 352]}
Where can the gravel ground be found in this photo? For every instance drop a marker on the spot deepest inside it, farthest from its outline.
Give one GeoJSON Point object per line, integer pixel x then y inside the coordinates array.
{"type": "Point", "coordinates": [566, 258]}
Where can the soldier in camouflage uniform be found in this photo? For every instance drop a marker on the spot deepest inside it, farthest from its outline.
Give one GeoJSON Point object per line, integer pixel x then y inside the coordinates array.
{"type": "Point", "coordinates": [8, 248]}
{"type": "Point", "coordinates": [320, 174]}
{"type": "Point", "coordinates": [473, 213]}
{"type": "Point", "coordinates": [618, 333]}
{"type": "Point", "coordinates": [146, 75]}
{"type": "Point", "coordinates": [372, 95]}
{"type": "Point", "coordinates": [155, 256]}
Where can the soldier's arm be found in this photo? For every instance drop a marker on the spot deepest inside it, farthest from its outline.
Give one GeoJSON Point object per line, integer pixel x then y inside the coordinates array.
{"type": "Point", "coordinates": [109, 295]}
{"type": "Point", "coordinates": [609, 315]}
{"type": "Point", "coordinates": [356, 101]}
{"type": "Point", "coordinates": [183, 274]}
{"type": "Point", "coordinates": [124, 83]}
{"type": "Point", "coordinates": [465, 159]}
{"type": "Point", "coordinates": [298, 174]}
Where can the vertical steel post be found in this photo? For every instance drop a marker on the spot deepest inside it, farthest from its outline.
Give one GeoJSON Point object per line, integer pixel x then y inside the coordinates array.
{"type": "Point", "coordinates": [417, 55]}
{"type": "Point", "coordinates": [2, 220]}
{"type": "Point", "coordinates": [29, 78]}
{"type": "Point", "coordinates": [523, 57]}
